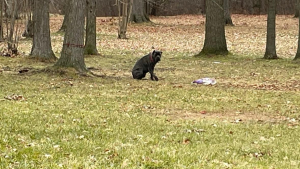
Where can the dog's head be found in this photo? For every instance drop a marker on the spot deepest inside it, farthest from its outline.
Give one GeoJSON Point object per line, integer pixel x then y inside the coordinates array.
{"type": "Point", "coordinates": [156, 55]}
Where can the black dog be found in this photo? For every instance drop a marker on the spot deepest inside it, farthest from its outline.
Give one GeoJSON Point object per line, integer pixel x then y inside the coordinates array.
{"type": "Point", "coordinates": [146, 64]}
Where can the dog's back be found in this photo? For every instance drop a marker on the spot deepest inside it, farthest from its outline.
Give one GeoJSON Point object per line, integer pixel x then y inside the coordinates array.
{"type": "Point", "coordinates": [142, 63]}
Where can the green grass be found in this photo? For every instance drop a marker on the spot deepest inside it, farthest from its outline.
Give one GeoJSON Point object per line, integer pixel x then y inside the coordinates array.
{"type": "Point", "coordinates": [70, 121]}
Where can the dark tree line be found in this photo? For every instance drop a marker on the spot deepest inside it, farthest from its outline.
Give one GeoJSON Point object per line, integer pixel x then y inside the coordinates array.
{"type": "Point", "coordinates": [75, 46]}
{"type": "Point", "coordinates": [180, 7]}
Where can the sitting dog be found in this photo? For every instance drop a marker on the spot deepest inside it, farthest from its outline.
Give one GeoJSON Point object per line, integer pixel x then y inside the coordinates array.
{"type": "Point", "coordinates": [146, 64]}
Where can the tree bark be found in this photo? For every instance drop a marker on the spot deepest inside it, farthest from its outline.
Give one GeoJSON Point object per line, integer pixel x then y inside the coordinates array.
{"type": "Point", "coordinates": [297, 9]}
{"type": "Point", "coordinates": [90, 38]}
{"type": "Point", "coordinates": [123, 20]}
{"type": "Point", "coordinates": [66, 12]}
{"type": "Point", "coordinates": [215, 41]}
{"type": "Point", "coordinates": [227, 13]}
{"type": "Point", "coordinates": [28, 31]}
{"type": "Point", "coordinates": [11, 45]}
{"type": "Point", "coordinates": [41, 47]}
{"type": "Point", "coordinates": [8, 8]}
{"type": "Point", "coordinates": [125, 8]}
{"type": "Point", "coordinates": [271, 31]}
{"type": "Point", "coordinates": [72, 52]}
{"type": "Point", "coordinates": [1, 20]}
{"type": "Point", "coordinates": [139, 13]}
{"type": "Point", "coordinates": [297, 57]}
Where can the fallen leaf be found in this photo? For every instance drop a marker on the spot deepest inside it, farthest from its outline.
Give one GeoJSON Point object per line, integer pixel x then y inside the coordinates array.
{"type": "Point", "coordinates": [186, 141]}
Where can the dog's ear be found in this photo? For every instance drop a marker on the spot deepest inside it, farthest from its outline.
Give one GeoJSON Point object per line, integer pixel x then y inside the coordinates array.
{"type": "Point", "coordinates": [153, 53]}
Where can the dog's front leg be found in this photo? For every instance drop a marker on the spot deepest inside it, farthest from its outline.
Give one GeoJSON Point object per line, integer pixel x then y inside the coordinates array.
{"type": "Point", "coordinates": [153, 76]}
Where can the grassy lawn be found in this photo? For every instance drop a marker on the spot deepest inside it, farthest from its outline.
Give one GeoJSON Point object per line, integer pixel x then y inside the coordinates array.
{"type": "Point", "coordinates": [249, 119]}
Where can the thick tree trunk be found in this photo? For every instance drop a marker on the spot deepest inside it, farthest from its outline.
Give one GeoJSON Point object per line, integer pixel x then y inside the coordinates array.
{"type": "Point", "coordinates": [72, 53]}
{"type": "Point", "coordinates": [297, 57]}
{"type": "Point", "coordinates": [215, 41]}
{"type": "Point", "coordinates": [139, 13]}
{"type": "Point", "coordinates": [227, 13]}
{"type": "Point", "coordinates": [297, 9]}
{"type": "Point", "coordinates": [66, 12]}
{"type": "Point", "coordinates": [41, 47]}
{"type": "Point", "coordinates": [271, 32]}
{"type": "Point", "coordinates": [90, 38]}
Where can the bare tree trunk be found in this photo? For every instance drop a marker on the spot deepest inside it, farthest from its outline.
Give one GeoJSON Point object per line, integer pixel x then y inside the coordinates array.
{"type": "Point", "coordinates": [215, 42]}
{"type": "Point", "coordinates": [125, 8]}
{"type": "Point", "coordinates": [11, 43]}
{"type": "Point", "coordinates": [1, 20]}
{"type": "Point", "coordinates": [8, 8]}
{"type": "Point", "coordinates": [139, 13]}
{"type": "Point", "coordinates": [123, 23]}
{"type": "Point", "coordinates": [227, 13]}
{"type": "Point", "coordinates": [297, 9]}
{"type": "Point", "coordinates": [41, 47]}
{"type": "Point", "coordinates": [271, 31]}
{"type": "Point", "coordinates": [66, 17]}
{"type": "Point", "coordinates": [72, 54]}
{"type": "Point", "coordinates": [90, 38]}
{"type": "Point", "coordinates": [297, 57]}
{"type": "Point", "coordinates": [28, 32]}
